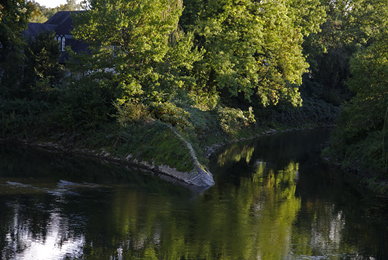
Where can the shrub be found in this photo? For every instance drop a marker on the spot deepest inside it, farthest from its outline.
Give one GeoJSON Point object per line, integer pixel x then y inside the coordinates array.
{"type": "Point", "coordinates": [82, 106]}
{"type": "Point", "coordinates": [232, 119]}
{"type": "Point", "coordinates": [17, 116]}
{"type": "Point", "coordinates": [170, 113]}
{"type": "Point", "coordinates": [130, 112]}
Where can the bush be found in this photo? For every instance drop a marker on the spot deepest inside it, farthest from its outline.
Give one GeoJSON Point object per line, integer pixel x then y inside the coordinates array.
{"type": "Point", "coordinates": [82, 106]}
{"type": "Point", "coordinates": [130, 112]}
{"type": "Point", "coordinates": [170, 113]}
{"type": "Point", "coordinates": [18, 116]}
{"type": "Point", "coordinates": [233, 120]}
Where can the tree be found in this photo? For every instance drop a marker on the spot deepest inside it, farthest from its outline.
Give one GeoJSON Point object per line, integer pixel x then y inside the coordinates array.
{"type": "Point", "coordinates": [14, 18]}
{"type": "Point", "coordinates": [360, 139]}
{"type": "Point", "coordinates": [252, 48]}
{"type": "Point", "coordinates": [137, 49]}
{"type": "Point", "coordinates": [41, 67]}
{"type": "Point", "coordinates": [349, 25]}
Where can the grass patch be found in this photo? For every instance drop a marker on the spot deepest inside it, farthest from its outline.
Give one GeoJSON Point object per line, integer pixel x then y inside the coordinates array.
{"type": "Point", "coordinates": [153, 142]}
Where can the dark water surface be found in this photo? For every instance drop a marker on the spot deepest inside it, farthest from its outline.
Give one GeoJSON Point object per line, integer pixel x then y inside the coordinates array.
{"type": "Point", "coordinates": [274, 198]}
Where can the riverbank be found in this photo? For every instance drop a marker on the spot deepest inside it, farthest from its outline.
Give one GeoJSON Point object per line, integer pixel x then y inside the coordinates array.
{"type": "Point", "coordinates": [153, 146]}
{"type": "Point", "coordinates": [372, 180]}
{"type": "Point", "coordinates": [174, 139]}
{"type": "Point", "coordinates": [160, 149]}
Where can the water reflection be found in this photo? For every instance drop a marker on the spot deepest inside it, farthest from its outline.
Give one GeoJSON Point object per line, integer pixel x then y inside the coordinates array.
{"type": "Point", "coordinates": [37, 229]}
{"type": "Point", "coordinates": [22, 243]}
{"type": "Point", "coordinates": [324, 214]}
{"type": "Point", "coordinates": [273, 199]}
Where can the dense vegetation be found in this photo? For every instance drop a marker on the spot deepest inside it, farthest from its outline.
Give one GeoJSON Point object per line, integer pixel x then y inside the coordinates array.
{"type": "Point", "coordinates": [214, 71]}
{"type": "Point", "coordinates": [359, 140]}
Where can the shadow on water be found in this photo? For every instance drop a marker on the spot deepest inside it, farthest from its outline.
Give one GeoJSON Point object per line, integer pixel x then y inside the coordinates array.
{"type": "Point", "coordinates": [274, 198]}
{"type": "Point", "coordinates": [38, 165]}
{"type": "Point", "coordinates": [56, 206]}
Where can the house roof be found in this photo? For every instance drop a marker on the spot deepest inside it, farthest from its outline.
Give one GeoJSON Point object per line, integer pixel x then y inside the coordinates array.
{"type": "Point", "coordinates": [34, 29]}
{"type": "Point", "coordinates": [76, 46]}
{"type": "Point", "coordinates": [63, 22]}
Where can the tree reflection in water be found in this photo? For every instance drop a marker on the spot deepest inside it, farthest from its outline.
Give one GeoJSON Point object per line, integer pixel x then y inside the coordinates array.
{"type": "Point", "coordinates": [273, 199]}
{"type": "Point", "coordinates": [33, 233]}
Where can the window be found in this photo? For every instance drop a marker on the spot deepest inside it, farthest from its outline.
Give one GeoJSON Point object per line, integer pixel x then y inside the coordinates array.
{"type": "Point", "coordinates": [61, 42]}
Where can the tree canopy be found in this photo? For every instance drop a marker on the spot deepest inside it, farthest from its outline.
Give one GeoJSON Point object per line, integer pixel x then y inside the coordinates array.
{"type": "Point", "coordinates": [41, 62]}
{"type": "Point", "coordinates": [252, 47]}
{"type": "Point", "coordinates": [14, 18]}
{"type": "Point", "coordinates": [360, 139]}
{"type": "Point", "coordinates": [137, 47]}
{"type": "Point", "coordinates": [245, 47]}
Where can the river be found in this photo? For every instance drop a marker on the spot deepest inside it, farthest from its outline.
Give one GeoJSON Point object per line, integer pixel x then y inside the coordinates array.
{"type": "Point", "coordinates": [274, 198]}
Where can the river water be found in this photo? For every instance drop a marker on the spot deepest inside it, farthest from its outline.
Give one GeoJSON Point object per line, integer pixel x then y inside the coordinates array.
{"type": "Point", "coordinates": [274, 198]}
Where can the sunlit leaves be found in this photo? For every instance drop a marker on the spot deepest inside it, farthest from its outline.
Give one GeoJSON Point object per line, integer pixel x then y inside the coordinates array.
{"type": "Point", "coordinates": [140, 44]}
{"type": "Point", "coordinates": [252, 48]}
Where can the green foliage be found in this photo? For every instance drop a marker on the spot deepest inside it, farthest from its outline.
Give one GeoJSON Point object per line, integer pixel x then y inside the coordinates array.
{"type": "Point", "coordinates": [41, 63]}
{"type": "Point", "coordinates": [81, 107]}
{"type": "Point", "coordinates": [170, 113]}
{"type": "Point", "coordinates": [137, 48]}
{"type": "Point", "coordinates": [131, 112]}
{"type": "Point", "coordinates": [19, 117]}
{"type": "Point", "coordinates": [14, 18]}
{"type": "Point", "coordinates": [232, 120]}
{"type": "Point", "coordinates": [348, 27]}
{"type": "Point", "coordinates": [204, 101]}
{"type": "Point", "coordinates": [202, 68]}
{"type": "Point", "coordinates": [253, 48]}
{"type": "Point", "coordinates": [314, 112]}
{"type": "Point", "coordinates": [68, 111]}
{"type": "Point", "coordinates": [362, 120]}
{"type": "Point", "coordinates": [153, 142]}
{"type": "Point", "coordinates": [203, 123]}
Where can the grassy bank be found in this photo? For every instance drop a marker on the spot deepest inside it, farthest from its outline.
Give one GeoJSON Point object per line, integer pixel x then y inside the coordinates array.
{"type": "Point", "coordinates": [157, 135]}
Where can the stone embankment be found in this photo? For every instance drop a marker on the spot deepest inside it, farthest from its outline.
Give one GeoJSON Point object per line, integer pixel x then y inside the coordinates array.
{"type": "Point", "coordinates": [198, 176]}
